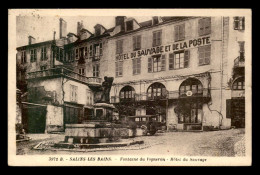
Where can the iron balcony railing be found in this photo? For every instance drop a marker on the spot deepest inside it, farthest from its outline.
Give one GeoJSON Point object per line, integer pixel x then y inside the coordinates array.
{"type": "Point", "coordinates": [169, 95]}
{"type": "Point", "coordinates": [61, 71]}
{"type": "Point", "coordinates": [239, 62]}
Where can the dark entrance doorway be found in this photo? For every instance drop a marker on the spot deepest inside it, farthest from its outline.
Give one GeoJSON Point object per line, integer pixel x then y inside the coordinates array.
{"type": "Point", "coordinates": [34, 118]}
{"type": "Point", "coordinates": [237, 112]}
{"type": "Point", "coordinates": [73, 115]}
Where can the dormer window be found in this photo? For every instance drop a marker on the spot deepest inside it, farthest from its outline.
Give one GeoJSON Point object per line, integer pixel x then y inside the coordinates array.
{"type": "Point", "coordinates": [129, 25]}
{"type": "Point", "coordinates": [155, 20]}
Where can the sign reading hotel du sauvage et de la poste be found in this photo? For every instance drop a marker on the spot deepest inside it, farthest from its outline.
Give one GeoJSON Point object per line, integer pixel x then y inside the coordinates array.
{"type": "Point", "coordinates": [165, 48]}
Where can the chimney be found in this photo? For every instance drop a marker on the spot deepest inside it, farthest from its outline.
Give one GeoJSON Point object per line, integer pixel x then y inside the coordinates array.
{"type": "Point", "coordinates": [31, 40]}
{"type": "Point", "coordinates": [120, 21]}
{"type": "Point", "coordinates": [79, 27]}
{"type": "Point", "coordinates": [63, 28]}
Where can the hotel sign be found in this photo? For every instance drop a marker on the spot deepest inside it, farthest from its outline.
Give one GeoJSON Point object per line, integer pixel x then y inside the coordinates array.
{"type": "Point", "coordinates": [166, 48]}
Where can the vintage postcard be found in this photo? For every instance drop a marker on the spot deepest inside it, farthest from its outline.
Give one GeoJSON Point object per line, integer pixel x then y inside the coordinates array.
{"type": "Point", "coordinates": [129, 87]}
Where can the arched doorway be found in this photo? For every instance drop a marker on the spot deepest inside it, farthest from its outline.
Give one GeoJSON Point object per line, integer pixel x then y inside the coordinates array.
{"type": "Point", "coordinates": [156, 96]}
{"type": "Point", "coordinates": [189, 108]}
{"type": "Point", "coordinates": [127, 97]}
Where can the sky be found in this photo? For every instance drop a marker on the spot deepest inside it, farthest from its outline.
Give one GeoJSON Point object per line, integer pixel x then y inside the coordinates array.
{"type": "Point", "coordinates": [42, 28]}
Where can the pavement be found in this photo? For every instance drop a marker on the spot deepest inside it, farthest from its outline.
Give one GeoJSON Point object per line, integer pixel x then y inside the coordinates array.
{"type": "Point", "coordinates": [212, 143]}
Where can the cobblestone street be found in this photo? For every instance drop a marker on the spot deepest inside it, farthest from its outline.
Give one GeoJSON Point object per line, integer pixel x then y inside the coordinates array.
{"type": "Point", "coordinates": [215, 143]}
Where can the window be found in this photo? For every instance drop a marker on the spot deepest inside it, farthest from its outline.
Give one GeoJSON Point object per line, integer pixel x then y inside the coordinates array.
{"type": "Point", "coordinates": [239, 84]}
{"type": "Point", "coordinates": [43, 67]}
{"type": "Point", "coordinates": [91, 50]}
{"type": "Point", "coordinates": [33, 55]}
{"type": "Point", "coordinates": [81, 71]}
{"type": "Point", "coordinates": [204, 26]}
{"type": "Point", "coordinates": [137, 42]}
{"type": "Point", "coordinates": [96, 70]}
{"type": "Point", "coordinates": [155, 20]}
{"type": "Point", "coordinates": [156, 63]}
{"type": "Point", "coordinates": [96, 50]}
{"type": "Point", "coordinates": [119, 68]}
{"type": "Point", "coordinates": [242, 50]}
{"type": "Point", "coordinates": [129, 25]}
{"type": "Point", "coordinates": [81, 52]}
{"type": "Point", "coordinates": [73, 93]}
{"type": "Point", "coordinates": [76, 54]}
{"type": "Point", "coordinates": [204, 55]}
{"type": "Point", "coordinates": [119, 46]}
{"type": "Point", "coordinates": [181, 59]}
{"type": "Point", "coordinates": [23, 57]}
{"type": "Point", "coordinates": [156, 90]}
{"type": "Point", "coordinates": [239, 23]}
{"type": "Point", "coordinates": [179, 32]}
{"type": "Point", "coordinates": [136, 66]}
{"type": "Point", "coordinates": [43, 53]}
{"type": "Point", "coordinates": [86, 52]}
{"type": "Point", "coordinates": [127, 93]}
{"type": "Point", "coordinates": [157, 38]}
{"type": "Point", "coordinates": [98, 31]}
{"type": "Point", "coordinates": [89, 97]}
{"type": "Point", "coordinates": [61, 54]}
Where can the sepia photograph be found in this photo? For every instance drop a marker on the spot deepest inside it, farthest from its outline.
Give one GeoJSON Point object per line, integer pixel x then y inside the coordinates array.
{"type": "Point", "coordinates": [129, 87]}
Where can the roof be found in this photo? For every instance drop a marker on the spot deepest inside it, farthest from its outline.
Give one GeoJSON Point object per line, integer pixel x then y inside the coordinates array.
{"type": "Point", "coordinates": [34, 45]}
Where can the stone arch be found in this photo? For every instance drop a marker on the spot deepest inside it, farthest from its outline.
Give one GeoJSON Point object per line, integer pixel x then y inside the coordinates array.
{"type": "Point", "coordinates": [191, 84]}
{"type": "Point", "coordinates": [156, 91]}
{"type": "Point", "coordinates": [127, 93]}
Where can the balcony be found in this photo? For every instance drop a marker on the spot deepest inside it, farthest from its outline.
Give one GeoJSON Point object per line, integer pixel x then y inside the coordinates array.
{"type": "Point", "coordinates": [239, 62]}
{"type": "Point", "coordinates": [61, 71]}
{"type": "Point", "coordinates": [171, 95]}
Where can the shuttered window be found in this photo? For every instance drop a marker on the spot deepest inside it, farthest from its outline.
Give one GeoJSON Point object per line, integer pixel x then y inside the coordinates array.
{"type": "Point", "coordinates": [136, 66]}
{"type": "Point", "coordinates": [171, 61]}
{"type": "Point", "coordinates": [181, 60]}
{"type": "Point", "coordinates": [157, 63]}
{"type": "Point", "coordinates": [137, 42]}
{"type": "Point", "coordinates": [73, 93]}
{"type": "Point", "coordinates": [204, 26]}
{"type": "Point", "coordinates": [33, 55]}
{"type": "Point", "coordinates": [119, 68]}
{"type": "Point", "coordinates": [119, 46]}
{"type": "Point", "coordinates": [204, 55]}
{"type": "Point", "coordinates": [86, 52]}
{"type": "Point", "coordinates": [23, 57]}
{"type": "Point", "coordinates": [43, 53]}
{"type": "Point", "coordinates": [96, 70]}
{"type": "Point", "coordinates": [100, 49]}
{"type": "Point", "coordinates": [179, 32]}
{"type": "Point", "coordinates": [157, 38]}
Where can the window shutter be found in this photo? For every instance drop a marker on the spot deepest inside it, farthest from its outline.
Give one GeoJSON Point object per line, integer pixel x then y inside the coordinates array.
{"type": "Point", "coordinates": [181, 32]}
{"type": "Point", "coordinates": [208, 26]}
{"type": "Point", "coordinates": [201, 55]}
{"type": "Point", "coordinates": [138, 65]}
{"type": "Point", "coordinates": [176, 33]}
{"type": "Point", "coordinates": [121, 68]}
{"type": "Point", "coordinates": [116, 69]}
{"type": "Point", "coordinates": [139, 41]}
{"type": "Point", "coordinates": [201, 27]}
{"type": "Point", "coordinates": [134, 42]}
{"type": "Point", "coordinates": [134, 66]}
{"type": "Point", "coordinates": [243, 23]}
{"type": "Point", "coordinates": [236, 23]}
{"type": "Point", "coordinates": [186, 58]}
{"type": "Point", "coordinates": [159, 39]}
{"type": "Point", "coordinates": [150, 64]}
{"type": "Point", "coordinates": [154, 39]}
{"type": "Point", "coordinates": [163, 63]}
{"type": "Point", "coordinates": [171, 61]}
{"type": "Point", "coordinates": [100, 49]}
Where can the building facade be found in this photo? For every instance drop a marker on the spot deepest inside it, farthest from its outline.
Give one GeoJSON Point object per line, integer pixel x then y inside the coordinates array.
{"type": "Point", "coordinates": [188, 71]}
